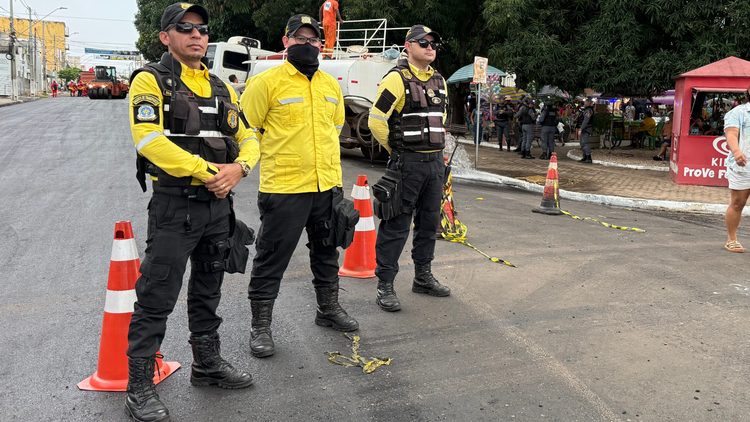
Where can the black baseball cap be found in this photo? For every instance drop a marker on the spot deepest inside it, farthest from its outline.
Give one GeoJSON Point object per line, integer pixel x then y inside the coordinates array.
{"type": "Point", "coordinates": [417, 32]}
{"type": "Point", "coordinates": [175, 12]}
{"type": "Point", "coordinates": [298, 21]}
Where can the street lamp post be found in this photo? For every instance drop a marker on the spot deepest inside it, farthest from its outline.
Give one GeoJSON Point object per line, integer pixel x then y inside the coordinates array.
{"type": "Point", "coordinates": [44, 51]}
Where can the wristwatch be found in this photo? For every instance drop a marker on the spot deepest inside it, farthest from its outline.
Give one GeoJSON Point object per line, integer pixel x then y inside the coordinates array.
{"type": "Point", "coordinates": [245, 168]}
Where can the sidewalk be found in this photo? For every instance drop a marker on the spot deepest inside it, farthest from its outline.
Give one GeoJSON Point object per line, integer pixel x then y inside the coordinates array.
{"type": "Point", "coordinates": [5, 101]}
{"type": "Point", "coordinates": [595, 178]}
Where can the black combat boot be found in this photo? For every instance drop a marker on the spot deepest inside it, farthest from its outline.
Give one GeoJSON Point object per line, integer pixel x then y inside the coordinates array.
{"type": "Point", "coordinates": [142, 403]}
{"type": "Point", "coordinates": [261, 340]}
{"type": "Point", "coordinates": [586, 159]}
{"type": "Point", "coordinates": [424, 282]}
{"type": "Point", "coordinates": [543, 156]}
{"type": "Point", "coordinates": [330, 313]}
{"type": "Point", "coordinates": [209, 368]}
{"type": "Point", "coordinates": [387, 299]}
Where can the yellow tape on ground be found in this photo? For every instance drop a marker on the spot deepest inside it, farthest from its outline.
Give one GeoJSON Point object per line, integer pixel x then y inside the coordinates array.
{"type": "Point", "coordinates": [368, 366]}
{"type": "Point", "coordinates": [611, 226]}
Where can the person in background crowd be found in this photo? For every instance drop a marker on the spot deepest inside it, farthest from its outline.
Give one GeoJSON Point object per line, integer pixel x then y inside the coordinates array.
{"type": "Point", "coordinates": [239, 88]}
{"type": "Point", "coordinates": [475, 115]}
{"type": "Point", "coordinates": [737, 131]}
{"type": "Point", "coordinates": [54, 89]}
{"type": "Point", "coordinates": [585, 122]}
{"type": "Point", "coordinates": [647, 127]}
{"type": "Point", "coordinates": [517, 131]}
{"type": "Point", "coordinates": [666, 139]}
{"type": "Point", "coordinates": [527, 115]}
{"type": "Point", "coordinates": [549, 120]}
{"type": "Point", "coordinates": [504, 114]}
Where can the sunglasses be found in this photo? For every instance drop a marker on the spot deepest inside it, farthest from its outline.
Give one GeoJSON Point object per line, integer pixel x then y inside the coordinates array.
{"type": "Point", "coordinates": [187, 27]}
{"type": "Point", "coordinates": [424, 44]}
{"type": "Point", "coordinates": [300, 39]}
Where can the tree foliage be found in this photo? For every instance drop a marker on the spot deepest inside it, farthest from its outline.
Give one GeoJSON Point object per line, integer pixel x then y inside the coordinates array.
{"type": "Point", "coordinates": [69, 74]}
{"type": "Point", "coordinates": [631, 47]}
{"type": "Point", "coordinates": [627, 47]}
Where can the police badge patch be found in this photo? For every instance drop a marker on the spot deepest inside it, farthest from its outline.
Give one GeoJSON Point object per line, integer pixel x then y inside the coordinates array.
{"type": "Point", "coordinates": [145, 113]}
{"type": "Point", "coordinates": [436, 100]}
{"type": "Point", "coordinates": [406, 73]}
{"type": "Point", "coordinates": [306, 19]}
{"type": "Point", "coordinates": [232, 119]}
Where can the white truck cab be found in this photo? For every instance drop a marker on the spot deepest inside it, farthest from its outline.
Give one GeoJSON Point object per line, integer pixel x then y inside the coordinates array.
{"type": "Point", "coordinates": [231, 57]}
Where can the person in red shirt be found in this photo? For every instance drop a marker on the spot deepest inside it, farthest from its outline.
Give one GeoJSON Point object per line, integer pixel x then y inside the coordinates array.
{"type": "Point", "coordinates": [329, 14]}
{"type": "Point", "coordinates": [80, 89]}
{"type": "Point", "coordinates": [54, 89]}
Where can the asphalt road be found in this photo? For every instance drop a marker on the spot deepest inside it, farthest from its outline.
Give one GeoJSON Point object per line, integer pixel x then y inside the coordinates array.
{"type": "Point", "coordinates": [595, 324]}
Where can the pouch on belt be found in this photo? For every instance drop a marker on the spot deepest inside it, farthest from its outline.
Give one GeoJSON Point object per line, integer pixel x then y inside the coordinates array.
{"type": "Point", "coordinates": [387, 193]}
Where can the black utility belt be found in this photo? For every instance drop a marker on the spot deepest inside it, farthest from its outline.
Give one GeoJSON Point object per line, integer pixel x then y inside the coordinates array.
{"type": "Point", "coordinates": [420, 156]}
{"type": "Point", "coordinates": [199, 193]}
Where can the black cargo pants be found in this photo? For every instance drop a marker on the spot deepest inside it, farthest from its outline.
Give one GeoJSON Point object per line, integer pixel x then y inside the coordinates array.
{"type": "Point", "coordinates": [168, 247]}
{"type": "Point", "coordinates": [283, 217]}
{"type": "Point", "coordinates": [422, 180]}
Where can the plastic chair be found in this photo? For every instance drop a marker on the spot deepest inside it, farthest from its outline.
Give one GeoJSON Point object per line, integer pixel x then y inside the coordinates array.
{"type": "Point", "coordinates": [653, 139]}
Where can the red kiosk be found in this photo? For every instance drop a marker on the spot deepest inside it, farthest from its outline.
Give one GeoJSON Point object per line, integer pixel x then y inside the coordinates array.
{"type": "Point", "coordinates": [697, 158]}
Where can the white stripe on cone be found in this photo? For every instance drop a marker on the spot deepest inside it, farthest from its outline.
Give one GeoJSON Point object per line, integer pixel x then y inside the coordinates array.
{"type": "Point", "coordinates": [120, 301]}
{"type": "Point", "coordinates": [124, 250]}
{"type": "Point", "coordinates": [361, 192]}
{"type": "Point", "coordinates": [365, 224]}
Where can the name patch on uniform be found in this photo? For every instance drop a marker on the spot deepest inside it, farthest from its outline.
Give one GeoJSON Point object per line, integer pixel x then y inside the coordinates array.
{"type": "Point", "coordinates": [406, 73]}
{"type": "Point", "coordinates": [232, 119]}
{"type": "Point", "coordinates": [147, 99]}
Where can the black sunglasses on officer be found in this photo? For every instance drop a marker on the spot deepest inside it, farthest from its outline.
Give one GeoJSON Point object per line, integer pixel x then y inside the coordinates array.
{"type": "Point", "coordinates": [187, 28]}
{"type": "Point", "coordinates": [424, 43]}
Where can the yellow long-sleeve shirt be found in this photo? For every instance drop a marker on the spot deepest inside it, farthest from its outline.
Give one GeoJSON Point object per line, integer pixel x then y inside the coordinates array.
{"type": "Point", "coordinates": [149, 138]}
{"type": "Point", "coordinates": [301, 120]}
{"type": "Point", "coordinates": [395, 85]}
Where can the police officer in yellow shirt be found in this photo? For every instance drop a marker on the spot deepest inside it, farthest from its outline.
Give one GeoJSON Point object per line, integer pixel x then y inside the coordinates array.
{"type": "Point", "coordinates": [300, 112]}
{"type": "Point", "coordinates": [191, 139]}
{"type": "Point", "coordinates": [407, 119]}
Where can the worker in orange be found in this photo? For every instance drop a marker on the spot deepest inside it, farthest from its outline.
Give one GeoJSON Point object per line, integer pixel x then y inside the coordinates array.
{"type": "Point", "coordinates": [80, 89]}
{"type": "Point", "coordinates": [329, 14]}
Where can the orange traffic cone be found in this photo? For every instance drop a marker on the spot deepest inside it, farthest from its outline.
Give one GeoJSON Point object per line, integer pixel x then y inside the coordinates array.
{"type": "Point", "coordinates": [112, 370]}
{"type": "Point", "coordinates": [551, 197]}
{"type": "Point", "coordinates": [359, 258]}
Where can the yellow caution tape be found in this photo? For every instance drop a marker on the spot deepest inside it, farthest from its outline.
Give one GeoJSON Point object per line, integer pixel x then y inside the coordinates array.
{"type": "Point", "coordinates": [452, 229]}
{"type": "Point", "coordinates": [368, 366]}
{"type": "Point", "coordinates": [611, 226]}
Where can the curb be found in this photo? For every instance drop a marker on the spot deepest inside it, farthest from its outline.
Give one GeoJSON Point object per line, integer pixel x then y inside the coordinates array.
{"type": "Point", "coordinates": [481, 177]}
{"type": "Point", "coordinates": [26, 100]}
{"type": "Point", "coordinates": [610, 164]}
{"type": "Point", "coordinates": [465, 141]}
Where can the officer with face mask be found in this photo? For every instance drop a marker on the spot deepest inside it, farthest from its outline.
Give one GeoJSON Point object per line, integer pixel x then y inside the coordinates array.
{"type": "Point", "coordinates": [184, 121]}
{"type": "Point", "coordinates": [297, 112]}
{"type": "Point", "coordinates": [527, 115]}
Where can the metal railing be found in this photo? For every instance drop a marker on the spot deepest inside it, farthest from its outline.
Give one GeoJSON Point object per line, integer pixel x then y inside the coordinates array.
{"type": "Point", "coordinates": [373, 39]}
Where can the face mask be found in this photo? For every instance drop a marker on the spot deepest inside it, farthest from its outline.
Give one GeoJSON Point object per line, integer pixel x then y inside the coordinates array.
{"type": "Point", "coordinates": [304, 57]}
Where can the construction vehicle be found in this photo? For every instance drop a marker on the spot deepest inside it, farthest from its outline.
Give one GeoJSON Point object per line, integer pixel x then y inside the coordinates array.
{"type": "Point", "coordinates": [104, 84]}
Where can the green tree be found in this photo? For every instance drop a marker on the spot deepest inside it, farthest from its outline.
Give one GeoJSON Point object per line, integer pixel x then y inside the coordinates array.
{"type": "Point", "coordinates": [69, 74]}
{"type": "Point", "coordinates": [633, 48]}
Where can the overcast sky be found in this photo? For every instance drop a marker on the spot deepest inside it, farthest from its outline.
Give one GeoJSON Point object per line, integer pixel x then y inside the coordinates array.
{"type": "Point", "coordinates": [106, 25]}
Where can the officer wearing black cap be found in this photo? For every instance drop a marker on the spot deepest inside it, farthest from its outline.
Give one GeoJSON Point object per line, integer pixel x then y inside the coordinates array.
{"type": "Point", "coordinates": [301, 111]}
{"type": "Point", "coordinates": [408, 120]}
{"type": "Point", "coordinates": [585, 122]}
{"type": "Point", "coordinates": [192, 141]}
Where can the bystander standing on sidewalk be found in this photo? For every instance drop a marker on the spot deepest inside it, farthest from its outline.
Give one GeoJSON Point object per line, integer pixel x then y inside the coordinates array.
{"type": "Point", "coordinates": [666, 139]}
{"type": "Point", "coordinates": [737, 131]}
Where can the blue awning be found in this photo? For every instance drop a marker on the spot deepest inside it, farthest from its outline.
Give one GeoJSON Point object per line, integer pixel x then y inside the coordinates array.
{"type": "Point", "coordinates": [466, 74]}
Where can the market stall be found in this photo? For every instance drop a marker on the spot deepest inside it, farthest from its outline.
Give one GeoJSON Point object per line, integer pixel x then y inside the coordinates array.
{"type": "Point", "coordinates": [702, 97]}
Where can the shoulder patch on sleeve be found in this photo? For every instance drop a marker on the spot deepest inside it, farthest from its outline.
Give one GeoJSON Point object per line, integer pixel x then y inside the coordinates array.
{"type": "Point", "coordinates": [146, 99]}
{"type": "Point", "coordinates": [146, 113]}
{"type": "Point", "coordinates": [385, 102]}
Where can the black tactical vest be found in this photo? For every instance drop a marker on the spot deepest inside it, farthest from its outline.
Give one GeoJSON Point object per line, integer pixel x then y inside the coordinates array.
{"type": "Point", "coordinates": [526, 116]}
{"type": "Point", "coordinates": [550, 119]}
{"type": "Point", "coordinates": [419, 126]}
{"type": "Point", "coordinates": [590, 123]}
{"type": "Point", "coordinates": [502, 113]}
{"type": "Point", "coordinates": [199, 125]}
